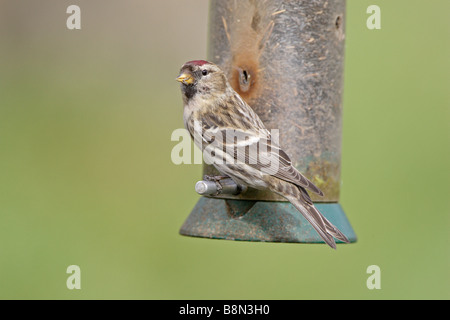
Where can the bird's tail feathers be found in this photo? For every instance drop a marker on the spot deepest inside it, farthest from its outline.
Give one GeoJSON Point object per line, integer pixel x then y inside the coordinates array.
{"type": "Point", "coordinates": [324, 228]}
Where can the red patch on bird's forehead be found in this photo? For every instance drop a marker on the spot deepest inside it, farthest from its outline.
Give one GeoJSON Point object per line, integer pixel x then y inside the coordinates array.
{"type": "Point", "coordinates": [197, 62]}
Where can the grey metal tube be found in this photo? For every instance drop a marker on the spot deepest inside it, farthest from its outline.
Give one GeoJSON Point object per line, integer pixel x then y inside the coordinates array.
{"type": "Point", "coordinates": [214, 188]}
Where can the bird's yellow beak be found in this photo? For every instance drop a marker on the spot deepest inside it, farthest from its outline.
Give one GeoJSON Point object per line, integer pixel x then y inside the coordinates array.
{"type": "Point", "coordinates": [185, 78]}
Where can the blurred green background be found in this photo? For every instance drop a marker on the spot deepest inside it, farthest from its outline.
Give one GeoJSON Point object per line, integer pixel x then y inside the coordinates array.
{"type": "Point", "coordinates": [86, 176]}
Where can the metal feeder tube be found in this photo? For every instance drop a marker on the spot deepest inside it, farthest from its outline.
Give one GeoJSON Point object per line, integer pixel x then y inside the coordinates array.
{"type": "Point", "coordinates": [286, 59]}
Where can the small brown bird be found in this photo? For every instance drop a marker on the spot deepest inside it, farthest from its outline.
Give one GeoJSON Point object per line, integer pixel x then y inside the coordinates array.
{"type": "Point", "coordinates": [234, 139]}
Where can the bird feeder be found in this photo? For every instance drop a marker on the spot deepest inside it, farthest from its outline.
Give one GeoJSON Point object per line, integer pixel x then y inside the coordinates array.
{"type": "Point", "coordinates": [286, 60]}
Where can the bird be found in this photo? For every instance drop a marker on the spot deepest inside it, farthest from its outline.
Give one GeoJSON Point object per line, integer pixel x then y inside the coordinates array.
{"type": "Point", "coordinates": [235, 140]}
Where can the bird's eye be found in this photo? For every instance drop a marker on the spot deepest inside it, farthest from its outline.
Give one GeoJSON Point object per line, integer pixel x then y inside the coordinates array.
{"type": "Point", "coordinates": [204, 72]}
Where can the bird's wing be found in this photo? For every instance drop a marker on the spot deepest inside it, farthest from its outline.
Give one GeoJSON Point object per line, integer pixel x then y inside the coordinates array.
{"type": "Point", "coordinates": [286, 171]}
{"type": "Point", "coordinates": [247, 140]}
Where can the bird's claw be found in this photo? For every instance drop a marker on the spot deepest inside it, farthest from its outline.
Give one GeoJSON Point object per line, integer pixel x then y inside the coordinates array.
{"type": "Point", "coordinates": [216, 180]}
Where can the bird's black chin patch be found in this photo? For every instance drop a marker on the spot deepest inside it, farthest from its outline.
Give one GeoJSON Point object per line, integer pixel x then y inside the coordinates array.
{"type": "Point", "coordinates": [189, 91]}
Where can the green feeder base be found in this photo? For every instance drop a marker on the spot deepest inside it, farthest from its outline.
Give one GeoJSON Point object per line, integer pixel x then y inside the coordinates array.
{"type": "Point", "coordinates": [259, 221]}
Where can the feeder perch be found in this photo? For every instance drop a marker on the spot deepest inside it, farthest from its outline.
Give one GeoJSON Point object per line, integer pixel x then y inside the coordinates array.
{"type": "Point", "coordinates": [286, 60]}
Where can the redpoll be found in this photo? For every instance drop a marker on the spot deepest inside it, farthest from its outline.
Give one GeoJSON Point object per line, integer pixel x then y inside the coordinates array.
{"type": "Point", "coordinates": [234, 139]}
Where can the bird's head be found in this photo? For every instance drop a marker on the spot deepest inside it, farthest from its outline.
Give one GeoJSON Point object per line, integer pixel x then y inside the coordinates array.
{"type": "Point", "coordinates": [200, 78]}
